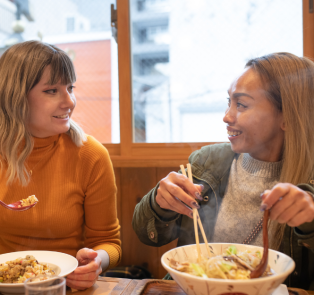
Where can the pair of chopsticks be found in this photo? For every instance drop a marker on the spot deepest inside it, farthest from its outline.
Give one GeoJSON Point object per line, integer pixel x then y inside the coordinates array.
{"type": "Point", "coordinates": [196, 219]}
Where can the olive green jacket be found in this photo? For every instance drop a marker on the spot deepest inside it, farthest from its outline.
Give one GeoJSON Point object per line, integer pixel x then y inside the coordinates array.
{"type": "Point", "coordinates": [211, 166]}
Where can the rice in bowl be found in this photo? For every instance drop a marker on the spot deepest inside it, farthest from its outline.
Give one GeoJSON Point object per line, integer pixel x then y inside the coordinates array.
{"type": "Point", "coordinates": [18, 270]}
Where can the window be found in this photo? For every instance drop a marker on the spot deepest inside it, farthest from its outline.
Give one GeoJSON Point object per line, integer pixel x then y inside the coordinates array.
{"type": "Point", "coordinates": [7, 12]}
{"type": "Point", "coordinates": [158, 65]}
{"type": "Point", "coordinates": [135, 150]}
{"type": "Point", "coordinates": [186, 53]}
{"type": "Point", "coordinates": [86, 36]}
{"type": "Point", "coordinates": [70, 24]}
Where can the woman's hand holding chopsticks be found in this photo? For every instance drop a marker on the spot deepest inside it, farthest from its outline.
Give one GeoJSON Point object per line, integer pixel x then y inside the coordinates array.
{"type": "Point", "coordinates": [175, 193]}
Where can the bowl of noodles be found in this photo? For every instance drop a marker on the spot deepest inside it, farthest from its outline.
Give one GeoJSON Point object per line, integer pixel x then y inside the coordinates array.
{"type": "Point", "coordinates": [227, 271]}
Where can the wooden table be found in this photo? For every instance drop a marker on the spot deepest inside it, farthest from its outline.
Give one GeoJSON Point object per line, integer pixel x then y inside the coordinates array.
{"type": "Point", "coordinates": [104, 286]}
{"type": "Point", "coordinates": [116, 286]}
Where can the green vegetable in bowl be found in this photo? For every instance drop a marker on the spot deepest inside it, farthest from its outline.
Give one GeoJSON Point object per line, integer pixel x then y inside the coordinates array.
{"type": "Point", "coordinates": [199, 271]}
{"type": "Point", "coordinates": [232, 250]}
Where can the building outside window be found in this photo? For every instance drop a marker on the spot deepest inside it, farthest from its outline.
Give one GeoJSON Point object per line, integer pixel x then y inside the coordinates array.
{"type": "Point", "coordinates": [185, 54]}
{"type": "Point", "coordinates": [70, 24]}
{"type": "Point", "coordinates": [85, 35]}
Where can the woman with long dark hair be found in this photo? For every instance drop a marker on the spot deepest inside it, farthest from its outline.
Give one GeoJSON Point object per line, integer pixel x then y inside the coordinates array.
{"type": "Point", "coordinates": [270, 125]}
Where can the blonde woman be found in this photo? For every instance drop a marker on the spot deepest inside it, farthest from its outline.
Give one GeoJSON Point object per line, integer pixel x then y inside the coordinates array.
{"type": "Point", "coordinates": [45, 153]}
{"type": "Point", "coordinates": [270, 123]}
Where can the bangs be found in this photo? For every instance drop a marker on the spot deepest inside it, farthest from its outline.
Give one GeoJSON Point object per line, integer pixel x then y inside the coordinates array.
{"type": "Point", "coordinates": [62, 69]}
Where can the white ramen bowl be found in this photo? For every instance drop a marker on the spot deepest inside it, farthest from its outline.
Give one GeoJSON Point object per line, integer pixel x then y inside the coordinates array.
{"type": "Point", "coordinates": [63, 264]}
{"type": "Point", "coordinates": [282, 264]}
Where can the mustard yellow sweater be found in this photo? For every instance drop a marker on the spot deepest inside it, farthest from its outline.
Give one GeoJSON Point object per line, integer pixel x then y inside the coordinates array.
{"type": "Point", "coordinates": [76, 190]}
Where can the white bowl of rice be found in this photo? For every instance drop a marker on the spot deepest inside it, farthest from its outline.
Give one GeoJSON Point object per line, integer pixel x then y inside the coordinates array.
{"type": "Point", "coordinates": [196, 281]}
{"type": "Point", "coordinates": [47, 263]}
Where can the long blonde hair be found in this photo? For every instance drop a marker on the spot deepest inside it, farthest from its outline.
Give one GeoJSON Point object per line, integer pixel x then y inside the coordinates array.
{"type": "Point", "coordinates": [289, 81]}
{"type": "Point", "coordinates": [21, 68]}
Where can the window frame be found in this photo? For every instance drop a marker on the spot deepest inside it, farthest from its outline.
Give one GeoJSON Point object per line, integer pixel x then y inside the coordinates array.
{"type": "Point", "coordinates": [130, 154]}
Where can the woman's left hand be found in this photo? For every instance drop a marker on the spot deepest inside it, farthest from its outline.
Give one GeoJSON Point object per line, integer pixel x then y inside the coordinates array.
{"type": "Point", "coordinates": [289, 204]}
{"type": "Point", "coordinates": [86, 274]}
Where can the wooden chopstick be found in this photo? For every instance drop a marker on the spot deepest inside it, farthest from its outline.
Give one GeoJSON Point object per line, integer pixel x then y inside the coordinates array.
{"type": "Point", "coordinates": [196, 219]}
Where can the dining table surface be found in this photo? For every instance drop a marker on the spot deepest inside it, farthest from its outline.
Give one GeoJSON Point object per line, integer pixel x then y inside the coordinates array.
{"type": "Point", "coordinates": [119, 286]}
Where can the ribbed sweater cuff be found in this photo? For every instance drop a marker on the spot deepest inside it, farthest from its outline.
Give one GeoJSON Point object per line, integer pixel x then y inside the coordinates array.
{"type": "Point", "coordinates": [113, 252]}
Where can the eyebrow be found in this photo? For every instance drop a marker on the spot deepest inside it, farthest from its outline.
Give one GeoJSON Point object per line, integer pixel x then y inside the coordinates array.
{"type": "Point", "coordinates": [47, 84]}
{"type": "Point", "coordinates": [239, 94]}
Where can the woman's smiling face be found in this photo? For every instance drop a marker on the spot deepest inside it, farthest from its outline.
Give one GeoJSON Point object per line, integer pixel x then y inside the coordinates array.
{"type": "Point", "coordinates": [254, 124]}
{"type": "Point", "coordinates": [50, 107]}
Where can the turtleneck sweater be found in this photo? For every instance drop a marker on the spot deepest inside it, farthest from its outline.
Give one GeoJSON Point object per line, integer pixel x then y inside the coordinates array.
{"type": "Point", "coordinates": [76, 190]}
{"type": "Point", "coordinates": [239, 212]}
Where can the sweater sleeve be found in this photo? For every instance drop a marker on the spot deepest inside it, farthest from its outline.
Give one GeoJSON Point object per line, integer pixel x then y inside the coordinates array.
{"type": "Point", "coordinates": [102, 229]}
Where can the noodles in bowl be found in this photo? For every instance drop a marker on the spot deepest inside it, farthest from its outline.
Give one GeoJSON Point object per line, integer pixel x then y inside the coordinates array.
{"type": "Point", "coordinates": [281, 264]}
{"type": "Point", "coordinates": [232, 265]}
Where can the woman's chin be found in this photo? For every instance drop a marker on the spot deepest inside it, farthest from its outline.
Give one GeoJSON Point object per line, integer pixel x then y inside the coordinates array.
{"type": "Point", "coordinates": [62, 129]}
{"type": "Point", "coordinates": [238, 149]}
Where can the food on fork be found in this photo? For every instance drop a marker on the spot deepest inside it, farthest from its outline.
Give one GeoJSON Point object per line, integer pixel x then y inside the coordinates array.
{"type": "Point", "coordinates": [29, 201]}
{"type": "Point", "coordinates": [18, 270]}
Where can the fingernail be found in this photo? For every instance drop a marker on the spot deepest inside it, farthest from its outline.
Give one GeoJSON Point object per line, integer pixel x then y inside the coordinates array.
{"type": "Point", "coordinates": [202, 187]}
{"type": "Point", "coordinates": [264, 194]}
{"type": "Point", "coordinates": [198, 196]}
{"type": "Point", "coordinates": [263, 207]}
{"type": "Point", "coordinates": [195, 205]}
{"type": "Point", "coordinates": [191, 214]}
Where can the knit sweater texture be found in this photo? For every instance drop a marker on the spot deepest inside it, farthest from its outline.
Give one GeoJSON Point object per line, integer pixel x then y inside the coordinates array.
{"type": "Point", "coordinates": [76, 190]}
{"type": "Point", "coordinates": [239, 212]}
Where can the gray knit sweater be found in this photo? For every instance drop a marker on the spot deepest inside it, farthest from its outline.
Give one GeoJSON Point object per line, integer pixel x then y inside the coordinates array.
{"type": "Point", "coordinates": [239, 212]}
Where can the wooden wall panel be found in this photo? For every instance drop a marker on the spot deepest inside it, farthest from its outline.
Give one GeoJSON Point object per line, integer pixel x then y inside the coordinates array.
{"type": "Point", "coordinates": [134, 184]}
{"type": "Point", "coordinates": [161, 173]}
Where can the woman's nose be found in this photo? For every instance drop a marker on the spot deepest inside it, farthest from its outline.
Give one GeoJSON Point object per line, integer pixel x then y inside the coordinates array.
{"type": "Point", "coordinates": [229, 117]}
{"type": "Point", "coordinates": [68, 100]}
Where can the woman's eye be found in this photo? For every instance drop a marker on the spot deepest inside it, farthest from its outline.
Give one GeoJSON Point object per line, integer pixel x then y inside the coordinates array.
{"type": "Point", "coordinates": [229, 101]}
{"type": "Point", "coordinates": [51, 91]}
{"type": "Point", "coordinates": [71, 88]}
{"type": "Point", "coordinates": [239, 105]}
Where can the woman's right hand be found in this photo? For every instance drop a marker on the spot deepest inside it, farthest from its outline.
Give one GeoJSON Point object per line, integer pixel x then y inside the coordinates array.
{"type": "Point", "coordinates": [176, 190]}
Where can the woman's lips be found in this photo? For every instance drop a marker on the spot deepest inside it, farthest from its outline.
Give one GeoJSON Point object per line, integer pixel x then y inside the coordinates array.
{"type": "Point", "coordinates": [233, 134]}
{"type": "Point", "coordinates": [66, 116]}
